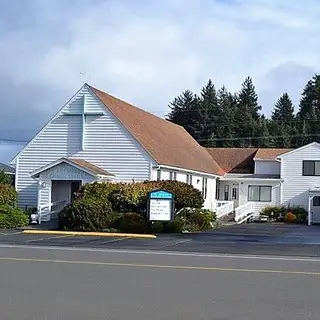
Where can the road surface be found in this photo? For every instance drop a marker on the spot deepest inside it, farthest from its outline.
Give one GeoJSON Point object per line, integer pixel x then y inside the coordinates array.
{"type": "Point", "coordinates": [78, 283]}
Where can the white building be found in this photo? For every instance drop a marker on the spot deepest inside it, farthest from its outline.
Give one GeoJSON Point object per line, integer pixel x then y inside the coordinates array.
{"type": "Point", "coordinates": [97, 137]}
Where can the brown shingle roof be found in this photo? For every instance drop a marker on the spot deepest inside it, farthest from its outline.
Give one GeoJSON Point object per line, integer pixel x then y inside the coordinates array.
{"type": "Point", "coordinates": [167, 143]}
{"type": "Point", "coordinates": [89, 166]}
{"type": "Point", "coordinates": [270, 153]}
{"type": "Point", "coordinates": [234, 160]}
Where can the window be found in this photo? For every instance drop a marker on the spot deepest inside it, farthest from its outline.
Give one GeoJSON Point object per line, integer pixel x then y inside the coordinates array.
{"type": "Point", "coordinates": [316, 201]}
{"type": "Point", "coordinates": [310, 168]}
{"type": "Point", "coordinates": [204, 187]}
{"type": "Point", "coordinates": [234, 193]}
{"type": "Point", "coordinates": [172, 175]}
{"type": "Point", "coordinates": [259, 193]}
{"type": "Point", "coordinates": [158, 175]}
{"type": "Point", "coordinates": [189, 179]}
{"type": "Point", "coordinates": [226, 192]}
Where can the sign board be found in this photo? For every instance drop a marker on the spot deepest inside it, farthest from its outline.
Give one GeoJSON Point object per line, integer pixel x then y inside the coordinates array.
{"type": "Point", "coordinates": [160, 205]}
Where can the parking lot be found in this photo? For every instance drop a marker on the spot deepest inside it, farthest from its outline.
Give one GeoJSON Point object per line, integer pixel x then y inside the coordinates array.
{"type": "Point", "coordinates": [290, 240]}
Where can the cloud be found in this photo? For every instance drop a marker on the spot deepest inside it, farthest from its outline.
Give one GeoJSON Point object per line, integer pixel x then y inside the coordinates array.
{"type": "Point", "coordinates": [147, 52]}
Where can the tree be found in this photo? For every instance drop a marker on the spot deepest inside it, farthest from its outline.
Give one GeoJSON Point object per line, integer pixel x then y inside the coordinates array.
{"type": "Point", "coordinates": [184, 111]}
{"type": "Point", "coordinates": [208, 115]}
{"type": "Point", "coordinates": [283, 109]}
{"type": "Point", "coordinates": [247, 114]}
{"type": "Point", "coordinates": [5, 178]}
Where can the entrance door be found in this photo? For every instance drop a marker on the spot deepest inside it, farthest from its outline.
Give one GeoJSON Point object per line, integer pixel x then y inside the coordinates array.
{"type": "Point", "coordinates": [315, 209]}
{"type": "Point", "coordinates": [62, 191]}
{"type": "Point", "coordinates": [235, 195]}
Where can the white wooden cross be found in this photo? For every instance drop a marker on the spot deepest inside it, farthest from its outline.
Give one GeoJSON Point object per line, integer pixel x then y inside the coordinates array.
{"type": "Point", "coordinates": [83, 115]}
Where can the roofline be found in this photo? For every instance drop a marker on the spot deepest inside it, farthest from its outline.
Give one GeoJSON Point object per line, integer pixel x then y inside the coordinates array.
{"type": "Point", "coordinates": [47, 123]}
{"type": "Point", "coordinates": [128, 131]}
{"type": "Point", "coordinates": [243, 178]}
{"type": "Point", "coordinates": [189, 170]}
{"type": "Point", "coordinates": [61, 160]}
{"type": "Point", "coordinates": [259, 159]}
{"type": "Point", "coordinates": [298, 149]}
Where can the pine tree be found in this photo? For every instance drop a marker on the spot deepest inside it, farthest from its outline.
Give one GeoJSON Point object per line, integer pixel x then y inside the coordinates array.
{"type": "Point", "coordinates": [184, 111]}
{"type": "Point", "coordinates": [208, 116]}
{"type": "Point", "coordinates": [283, 109]}
{"type": "Point", "coordinates": [226, 129]}
{"type": "Point", "coordinates": [247, 114]}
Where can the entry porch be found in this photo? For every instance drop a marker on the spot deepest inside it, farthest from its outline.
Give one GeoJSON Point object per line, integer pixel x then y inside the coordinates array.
{"type": "Point", "coordinates": [59, 181]}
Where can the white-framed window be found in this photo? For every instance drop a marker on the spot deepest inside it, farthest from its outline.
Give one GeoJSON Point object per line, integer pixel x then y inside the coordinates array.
{"type": "Point", "coordinates": [316, 201]}
{"type": "Point", "coordinates": [260, 193]}
{"type": "Point", "coordinates": [311, 167]}
{"type": "Point", "coordinates": [158, 175]}
{"type": "Point", "coordinates": [226, 192]}
{"type": "Point", "coordinates": [172, 175]}
{"type": "Point", "coordinates": [204, 187]}
{"type": "Point", "coordinates": [189, 178]}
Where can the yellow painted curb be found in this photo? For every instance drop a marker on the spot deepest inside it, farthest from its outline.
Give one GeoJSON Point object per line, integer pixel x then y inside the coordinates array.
{"type": "Point", "coordinates": [95, 234]}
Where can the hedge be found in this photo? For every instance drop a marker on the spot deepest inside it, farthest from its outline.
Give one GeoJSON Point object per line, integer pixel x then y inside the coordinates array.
{"type": "Point", "coordinates": [5, 178]}
{"type": "Point", "coordinates": [87, 215]}
{"type": "Point", "coordinates": [8, 195]}
{"type": "Point", "coordinates": [277, 213]}
{"type": "Point", "coordinates": [132, 197]}
{"type": "Point", "coordinates": [12, 217]}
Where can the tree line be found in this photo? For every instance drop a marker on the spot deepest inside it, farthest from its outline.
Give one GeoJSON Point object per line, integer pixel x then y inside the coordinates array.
{"type": "Point", "coordinates": [219, 118]}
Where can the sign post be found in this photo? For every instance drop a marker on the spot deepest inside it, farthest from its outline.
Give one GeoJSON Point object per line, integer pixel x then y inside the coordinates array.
{"type": "Point", "coordinates": [160, 205]}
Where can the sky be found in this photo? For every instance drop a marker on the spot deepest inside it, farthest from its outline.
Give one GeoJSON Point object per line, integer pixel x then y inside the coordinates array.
{"type": "Point", "coordinates": [147, 52]}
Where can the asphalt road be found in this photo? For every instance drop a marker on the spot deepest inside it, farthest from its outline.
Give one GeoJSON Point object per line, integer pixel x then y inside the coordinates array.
{"type": "Point", "coordinates": [253, 239]}
{"type": "Point", "coordinates": [45, 284]}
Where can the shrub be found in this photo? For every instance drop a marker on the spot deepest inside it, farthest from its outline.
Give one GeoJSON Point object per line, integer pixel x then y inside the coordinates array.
{"type": "Point", "coordinates": [274, 212]}
{"type": "Point", "coordinates": [157, 227]}
{"type": "Point", "coordinates": [131, 222]}
{"type": "Point", "coordinates": [290, 217]}
{"type": "Point", "coordinates": [12, 217]}
{"type": "Point", "coordinates": [8, 195]}
{"type": "Point", "coordinates": [175, 226]}
{"type": "Point", "coordinates": [300, 213]}
{"type": "Point", "coordinates": [197, 219]}
{"type": "Point", "coordinates": [87, 215]}
{"type": "Point", "coordinates": [132, 197]}
{"type": "Point", "coordinates": [5, 178]}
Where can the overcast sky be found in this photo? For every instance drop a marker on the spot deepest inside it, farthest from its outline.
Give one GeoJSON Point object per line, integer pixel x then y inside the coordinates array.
{"type": "Point", "coordinates": [147, 52]}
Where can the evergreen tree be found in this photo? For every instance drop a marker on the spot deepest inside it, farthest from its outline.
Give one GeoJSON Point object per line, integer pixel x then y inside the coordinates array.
{"type": "Point", "coordinates": [208, 116]}
{"type": "Point", "coordinates": [283, 109]}
{"type": "Point", "coordinates": [226, 129]}
{"type": "Point", "coordinates": [184, 111]}
{"type": "Point", "coordinates": [247, 114]}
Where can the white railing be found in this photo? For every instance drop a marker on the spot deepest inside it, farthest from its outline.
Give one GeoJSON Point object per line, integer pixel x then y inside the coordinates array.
{"type": "Point", "coordinates": [45, 211]}
{"type": "Point", "coordinates": [222, 208]}
{"type": "Point", "coordinates": [242, 212]}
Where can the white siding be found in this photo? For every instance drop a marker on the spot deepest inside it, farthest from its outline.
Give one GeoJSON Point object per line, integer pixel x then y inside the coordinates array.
{"type": "Point", "coordinates": [267, 167]}
{"type": "Point", "coordinates": [197, 181]}
{"type": "Point", "coordinates": [296, 186]}
{"type": "Point", "coordinates": [243, 188]}
{"type": "Point", "coordinates": [107, 145]}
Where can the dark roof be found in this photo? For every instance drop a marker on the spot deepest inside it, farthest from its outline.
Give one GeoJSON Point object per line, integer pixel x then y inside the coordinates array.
{"type": "Point", "coordinates": [167, 143]}
{"type": "Point", "coordinates": [7, 169]}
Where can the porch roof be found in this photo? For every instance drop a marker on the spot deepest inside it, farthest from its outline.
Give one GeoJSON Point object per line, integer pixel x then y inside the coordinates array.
{"type": "Point", "coordinates": [241, 176]}
{"type": "Point", "coordinates": [77, 163]}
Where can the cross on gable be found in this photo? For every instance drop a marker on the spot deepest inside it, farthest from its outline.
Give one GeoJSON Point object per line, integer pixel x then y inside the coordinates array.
{"type": "Point", "coordinates": [84, 112]}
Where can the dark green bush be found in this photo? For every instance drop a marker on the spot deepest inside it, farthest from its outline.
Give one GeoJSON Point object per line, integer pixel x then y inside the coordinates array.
{"type": "Point", "coordinates": [157, 227]}
{"type": "Point", "coordinates": [175, 226]}
{"type": "Point", "coordinates": [12, 217]}
{"type": "Point", "coordinates": [274, 212]}
{"type": "Point", "coordinates": [132, 197]}
{"type": "Point", "coordinates": [300, 213]}
{"type": "Point", "coordinates": [87, 215]}
{"type": "Point", "coordinates": [131, 222]}
{"type": "Point", "coordinates": [5, 178]}
{"type": "Point", "coordinates": [197, 219]}
{"type": "Point", "coordinates": [8, 195]}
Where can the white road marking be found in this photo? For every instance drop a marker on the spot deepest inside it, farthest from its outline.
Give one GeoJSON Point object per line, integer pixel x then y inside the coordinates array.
{"type": "Point", "coordinates": [35, 240]}
{"type": "Point", "coordinates": [167, 253]}
{"type": "Point", "coordinates": [9, 234]}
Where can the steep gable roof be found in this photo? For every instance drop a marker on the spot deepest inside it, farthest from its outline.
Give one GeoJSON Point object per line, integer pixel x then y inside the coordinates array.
{"type": "Point", "coordinates": [234, 160]}
{"type": "Point", "coordinates": [167, 143]}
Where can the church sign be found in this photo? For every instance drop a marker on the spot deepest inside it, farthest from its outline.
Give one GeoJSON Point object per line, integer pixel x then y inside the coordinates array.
{"type": "Point", "coordinates": [160, 205]}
